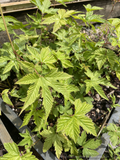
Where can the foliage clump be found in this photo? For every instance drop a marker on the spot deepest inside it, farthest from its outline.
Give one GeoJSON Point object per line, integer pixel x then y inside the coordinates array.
{"type": "Point", "coordinates": [56, 66]}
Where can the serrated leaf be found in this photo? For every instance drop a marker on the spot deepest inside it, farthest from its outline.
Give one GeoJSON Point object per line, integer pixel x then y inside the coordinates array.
{"type": "Point", "coordinates": [8, 67]}
{"type": "Point", "coordinates": [88, 152]}
{"type": "Point", "coordinates": [27, 66]}
{"type": "Point", "coordinates": [95, 82]}
{"type": "Point", "coordinates": [4, 59]}
{"type": "Point", "coordinates": [92, 144]}
{"type": "Point", "coordinates": [69, 125]}
{"type": "Point", "coordinates": [102, 55]}
{"type": "Point", "coordinates": [113, 138]}
{"type": "Point", "coordinates": [32, 94]}
{"type": "Point", "coordinates": [26, 119]}
{"type": "Point", "coordinates": [56, 75]}
{"type": "Point", "coordinates": [14, 154]}
{"type": "Point", "coordinates": [34, 52]}
{"type": "Point", "coordinates": [5, 97]}
{"type": "Point", "coordinates": [47, 98]}
{"type": "Point", "coordinates": [27, 139]}
{"type": "Point", "coordinates": [81, 139]}
{"type": "Point", "coordinates": [90, 8]}
{"type": "Point", "coordinates": [53, 138]}
{"type": "Point", "coordinates": [87, 124]}
{"type": "Point", "coordinates": [100, 91]}
{"type": "Point", "coordinates": [46, 56]}
{"type": "Point", "coordinates": [82, 108]}
{"type": "Point", "coordinates": [28, 79]}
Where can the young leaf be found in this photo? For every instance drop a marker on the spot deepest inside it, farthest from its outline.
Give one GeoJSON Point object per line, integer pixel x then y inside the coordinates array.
{"type": "Point", "coordinates": [53, 138]}
{"type": "Point", "coordinates": [94, 82]}
{"type": "Point", "coordinates": [70, 124]}
{"type": "Point", "coordinates": [27, 139]}
{"type": "Point", "coordinates": [5, 97]}
{"type": "Point", "coordinates": [90, 8]}
{"type": "Point", "coordinates": [14, 154]}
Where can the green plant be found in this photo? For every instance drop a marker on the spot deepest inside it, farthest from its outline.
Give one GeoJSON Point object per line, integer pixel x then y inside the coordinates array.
{"type": "Point", "coordinates": [56, 65]}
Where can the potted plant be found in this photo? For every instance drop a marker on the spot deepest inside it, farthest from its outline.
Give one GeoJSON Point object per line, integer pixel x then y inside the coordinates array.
{"type": "Point", "coordinates": [56, 69]}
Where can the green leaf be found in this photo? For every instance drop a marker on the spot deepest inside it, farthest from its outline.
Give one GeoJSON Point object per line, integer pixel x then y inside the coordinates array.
{"type": "Point", "coordinates": [56, 75]}
{"type": "Point", "coordinates": [46, 56]}
{"type": "Point", "coordinates": [89, 8]}
{"type": "Point", "coordinates": [70, 124]}
{"type": "Point", "coordinates": [8, 67]}
{"type": "Point", "coordinates": [27, 66]}
{"type": "Point", "coordinates": [5, 97]}
{"type": "Point", "coordinates": [82, 139]}
{"type": "Point", "coordinates": [82, 107]}
{"type": "Point", "coordinates": [47, 98]}
{"type": "Point", "coordinates": [92, 144]}
{"type": "Point", "coordinates": [32, 93]}
{"type": "Point", "coordinates": [14, 154]}
{"type": "Point", "coordinates": [94, 82]}
{"type": "Point", "coordinates": [28, 79]}
{"type": "Point", "coordinates": [102, 55]}
{"type": "Point", "coordinates": [27, 139]}
{"type": "Point", "coordinates": [100, 91]}
{"type": "Point", "coordinates": [34, 52]}
{"type": "Point", "coordinates": [53, 138]}
{"type": "Point", "coordinates": [88, 152]}
{"type": "Point", "coordinates": [58, 19]}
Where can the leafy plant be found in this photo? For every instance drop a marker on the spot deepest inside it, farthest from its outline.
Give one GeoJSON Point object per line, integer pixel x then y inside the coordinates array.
{"type": "Point", "coordinates": [56, 66]}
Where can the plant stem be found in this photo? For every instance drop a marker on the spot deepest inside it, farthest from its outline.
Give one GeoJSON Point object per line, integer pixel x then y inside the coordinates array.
{"type": "Point", "coordinates": [6, 29]}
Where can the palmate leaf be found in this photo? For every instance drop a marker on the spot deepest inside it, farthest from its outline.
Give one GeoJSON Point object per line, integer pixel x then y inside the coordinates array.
{"type": "Point", "coordinates": [90, 8]}
{"type": "Point", "coordinates": [58, 19]}
{"type": "Point", "coordinates": [95, 82]}
{"type": "Point", "coordinates": [70, 124]}
{"type": "Point", "coordinates": [14, 154]}
{"type": "Point", "coordinates": [88, 146]}
{"type": "Point", "coordinates": [27, 139]}
{"type": "Point", "coordinates": [53, 138]}
{"type": "Point", "coordinates": [102, 55]}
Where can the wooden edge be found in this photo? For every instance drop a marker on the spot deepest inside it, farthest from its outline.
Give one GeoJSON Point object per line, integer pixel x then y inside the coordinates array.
{"type": "Point", "coordinates": [4, 135]}
{"type": "Point", "coordinates": [27, 5]}
{"type": "Point", "coordinates": [17, 122]}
